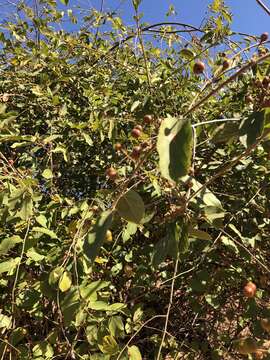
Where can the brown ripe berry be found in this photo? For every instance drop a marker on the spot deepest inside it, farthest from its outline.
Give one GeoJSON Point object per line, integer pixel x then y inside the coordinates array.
{"type": "Point", "coordinates": [136, 152]}
{"type": "Point", "coordinates": [248, 99]}
{"type": "Point", "coordinates": [264, 37]}
{"type": "Point", "coordinates": [148, 119]}
{"type": "Point", "coordinates": [250, 290]}
{"type": "Point", "coordinates": [139, 127]}
{"type": "Point", "coordinates": [225, 65]}
{"type": "Point", "coordinates": [117, 147]}
{"type": "Point", "coordinates": [11, 162]}
{"type": "Point", "coordinates": [198, 67]}
{"type": "Point", "coordinates": [265, 82]}
{"type": "Point", "coordinates": [136, 133]}
{"type": "Point", "coordinates": [111, 173]}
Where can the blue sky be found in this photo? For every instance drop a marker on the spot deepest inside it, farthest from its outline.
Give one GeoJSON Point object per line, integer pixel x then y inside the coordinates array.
{"type": "Point", "coordinates": [248, 16]}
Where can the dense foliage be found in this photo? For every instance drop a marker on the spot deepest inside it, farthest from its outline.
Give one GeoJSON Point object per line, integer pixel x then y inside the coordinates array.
{"type": "Point", "coordinates": [135, 196]}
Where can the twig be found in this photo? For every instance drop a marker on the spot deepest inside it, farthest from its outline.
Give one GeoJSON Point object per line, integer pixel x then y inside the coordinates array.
{"type": "Point", "coordinates": [137, 332]}
{"type": "Point", "coordinates": [168, 311]}
{"type": "Point", "coordinates": [226, 82]}
{"type": "Point", "coordinates": [247, 250]}
{"type": "Point", "coordinates": [231, 164]}
{"type": "Point", "coordinates": [265, 8]}
{"type": "Point", "coordinates": [215, 121]}
{"type": "Point", "coordinates": [17, 275]}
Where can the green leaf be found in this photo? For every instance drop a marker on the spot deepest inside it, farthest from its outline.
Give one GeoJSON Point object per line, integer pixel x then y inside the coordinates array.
{"type": "Point", "coordinates": [42, 220]}
{"type": "Point", "coordinates": [45, 231]}
{"type": "Point", "coordinates": [174, 147]}
{"type": "Point", "coordinates": [136, 4]}
{"type": "Point", "coordinates": [205, 195]}
{"type": "Point", "coordinates": [103, 306]}
{"type": "Point", "coordinates": [65, 282]}
{"type": "Point", "coordinates": [34, 255]}
{"type": "Point", "coordinates": [89, 292]}
{"type": "Point", "coordinates": [199, 234]}
{"type": "Point", "coordinates": [47, 174]}
{"type": "Point", "coordinates": [129, 230]}
{"type": "Point", "coordinates": [9, 266]}
{"type": "Point", "coordinates": [183, 238]}
{"type": "Point", "coordinates": [131, 207]}
{"type": "Point", "coordinates": [5, 321]}
{"type": "Point", "coordinates": [96, 237]}
{"type": "Point", "coordinates": [168, 245]}
{"type": "Point", "coordinates": [252, 127]}
{"type": "Point", "coordinates": [135, 105]}
{"type": "Point", "coordinates": [109, 345]}
{"type": "Point", "coordinates": [55, 275]}
{"type": "Point", "coordinates": [115, 325]}
{"type": "Point", "coordinates": [186, 53]}
{"type": "Point", "coordinates": [9, 243]}
{"type": "Point", "coordinates": [87, 139]}
{"type": "Point", "coordinates": [134, 353]}
{"type": "Point", "coordinates": [227, 132]}
{"type": "Point", "coordinates": [43, 350]}
{"type": "Point", "coordinates": [65, 2]}
{"type": "Point", "coordinates": [26, 208]}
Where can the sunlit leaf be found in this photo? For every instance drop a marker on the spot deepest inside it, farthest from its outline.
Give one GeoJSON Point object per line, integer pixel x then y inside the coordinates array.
{"type": "Point", "coordinates": [65, 282]}
{"type": "Point", "coordinates": [97, 236]}
{"type": "Point", "coordinates": [131, 207]}
{"type": "Point", "coordinates": [174, 147]}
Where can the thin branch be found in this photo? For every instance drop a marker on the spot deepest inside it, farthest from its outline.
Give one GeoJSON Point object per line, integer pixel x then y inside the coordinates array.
{"type": "Point", "coordinates": [231, 164]}
{"type": "Point", "coordinates": [169, 310]}
{"type": "Point", "coordinates": [17, 275]}
{"type": "Point", "coordinates": [137, 332]}
{"type": "Point", "coordinates": [226, 82]}
{"type": "Point", "coordinates": [262, 5]}
{"type": "Point", "coordinates": [215, 121]}
{"type": "Point", "coordinates": [247, 250]}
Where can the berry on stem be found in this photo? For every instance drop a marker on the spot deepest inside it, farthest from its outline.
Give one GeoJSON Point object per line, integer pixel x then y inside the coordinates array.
{"type": "Point", "coordinates": [264, 37]}
{"type": "Point", "coordinates": [136, 152]}
{"type": "Point", "coordinates": [139, 127]}
{"type": "Point", "coordinates": [136, 133]}
{"type": "Point", "coordinates": [250, 290]}
{"type": "Point", "coordinates": [117, 147]}
{"type": "Point", "coordinates": [111, 173]}
{"type": "Point", "coordinates": [198, 67]}
{"type": "Point", "coordinates": [148, 119]}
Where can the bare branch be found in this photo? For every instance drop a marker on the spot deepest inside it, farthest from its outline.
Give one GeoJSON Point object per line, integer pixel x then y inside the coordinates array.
{"type": "Point", "coordinates": [265, 8]}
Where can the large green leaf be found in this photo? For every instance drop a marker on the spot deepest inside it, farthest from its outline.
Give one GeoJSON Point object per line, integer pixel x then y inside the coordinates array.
{"type": "Point", "coordinates": [96, 237]}
{"type": "Point", "coordinates": [174, 147]}
{"type": "Point", "coordinates": [131, 207]}
{"type": "Point", "coordinates": [252, 127]}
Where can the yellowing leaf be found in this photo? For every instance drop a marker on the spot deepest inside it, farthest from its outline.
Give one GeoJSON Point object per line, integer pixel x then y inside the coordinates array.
{"type": "Point", "coordinates": [47, 174]}
{"type": "Point", "coordinates": [134, 353]}
{"type": "Point", "coordinates": [65, 282]}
